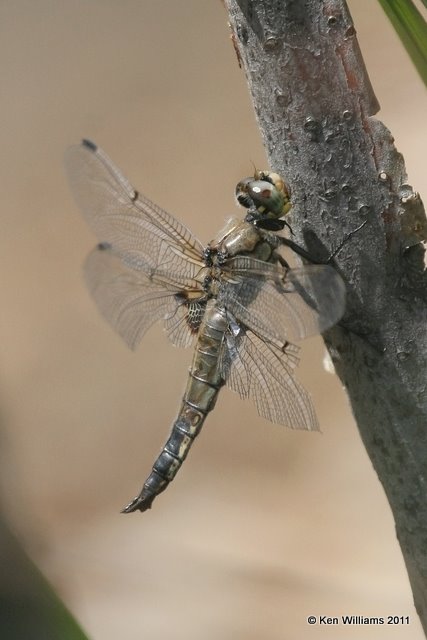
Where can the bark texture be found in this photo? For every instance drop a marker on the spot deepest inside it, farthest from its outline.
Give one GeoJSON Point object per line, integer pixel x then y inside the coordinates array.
{"type": "Point", "coordinates": [315, 105]}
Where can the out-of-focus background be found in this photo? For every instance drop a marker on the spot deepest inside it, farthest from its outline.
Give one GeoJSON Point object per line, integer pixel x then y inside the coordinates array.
{"type": "Point", "coordinates": [264, 526]}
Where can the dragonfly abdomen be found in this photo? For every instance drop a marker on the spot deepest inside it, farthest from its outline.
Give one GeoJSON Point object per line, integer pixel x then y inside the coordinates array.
{"type": "Point", "coordinates": [204, 382]}
{"type": "Point", "coordinates": [184, 430]}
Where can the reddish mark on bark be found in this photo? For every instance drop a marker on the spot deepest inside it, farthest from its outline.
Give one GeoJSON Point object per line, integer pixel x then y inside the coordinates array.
{"type": "Point", "coordinates": [233, 39]}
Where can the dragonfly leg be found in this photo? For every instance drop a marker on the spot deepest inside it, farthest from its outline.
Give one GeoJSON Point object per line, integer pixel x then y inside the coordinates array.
{"type": "Point", "coordinates": [281, 260]}
{"type": "Point", "coordinates": [287, 242]}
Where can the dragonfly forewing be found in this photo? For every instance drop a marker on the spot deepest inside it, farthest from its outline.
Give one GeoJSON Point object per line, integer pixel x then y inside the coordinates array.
{"type": "Point", "coordinates": [146, 236]}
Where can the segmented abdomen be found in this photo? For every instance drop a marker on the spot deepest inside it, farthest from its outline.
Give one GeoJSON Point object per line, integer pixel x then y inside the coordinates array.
{"type": "Point", "coordinates": [204, 382]}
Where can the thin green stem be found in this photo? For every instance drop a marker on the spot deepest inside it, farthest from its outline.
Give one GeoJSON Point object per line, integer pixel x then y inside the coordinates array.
{"type": "Point", "coordinates": [411, 29]}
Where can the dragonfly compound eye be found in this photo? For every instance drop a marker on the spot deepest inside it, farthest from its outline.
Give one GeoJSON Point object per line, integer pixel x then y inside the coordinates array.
{"type": "Point", "coordinates": [274, 179]}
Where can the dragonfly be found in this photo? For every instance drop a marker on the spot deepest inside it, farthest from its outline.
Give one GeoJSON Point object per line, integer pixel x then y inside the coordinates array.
{"type": "Point", "coordinates": [237, 299]}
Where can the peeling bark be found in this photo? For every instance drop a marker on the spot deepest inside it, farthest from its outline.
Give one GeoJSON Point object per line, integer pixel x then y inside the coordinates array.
{"type": "Point", "coordinates": [315, 105]}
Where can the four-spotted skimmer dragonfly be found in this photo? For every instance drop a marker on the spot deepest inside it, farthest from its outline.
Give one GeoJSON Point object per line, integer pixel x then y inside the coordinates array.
{"type": "Point", "coordinates": [237, 299]}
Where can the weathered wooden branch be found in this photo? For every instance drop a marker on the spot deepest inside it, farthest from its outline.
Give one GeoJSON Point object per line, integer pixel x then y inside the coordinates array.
{"type": "Point", "coordinates": [314, 105]}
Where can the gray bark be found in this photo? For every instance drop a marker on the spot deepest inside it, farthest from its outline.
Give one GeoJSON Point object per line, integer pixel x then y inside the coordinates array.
{"type": "Point", "coordinates": [314, 105]}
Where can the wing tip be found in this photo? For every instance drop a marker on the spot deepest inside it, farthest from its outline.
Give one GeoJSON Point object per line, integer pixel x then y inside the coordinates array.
{"type": "Point", "coordinates": [88, 144]}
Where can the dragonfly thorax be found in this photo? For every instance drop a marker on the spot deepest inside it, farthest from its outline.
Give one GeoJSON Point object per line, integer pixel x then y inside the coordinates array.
{"type": "Point", "coordinates": [240, 237]}
{"type": "Point", "coordinates": [237, 238]}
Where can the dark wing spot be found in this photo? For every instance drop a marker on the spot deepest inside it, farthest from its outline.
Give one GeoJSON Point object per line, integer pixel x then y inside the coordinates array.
{"type": "Point", "coordinates": [103, 246]}
{"type": "Point", "coordinates": [89, 144]}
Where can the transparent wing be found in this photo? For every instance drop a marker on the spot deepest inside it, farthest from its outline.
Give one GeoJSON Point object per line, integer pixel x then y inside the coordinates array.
{"type": "Point", "coordinates": [282, 305]}
{"type": "Point", "coordinates": [263, 371]}
{"type": "Point", "coordinates": [131, 302]}
{"type": "Point", "coordinates": [146, 236]}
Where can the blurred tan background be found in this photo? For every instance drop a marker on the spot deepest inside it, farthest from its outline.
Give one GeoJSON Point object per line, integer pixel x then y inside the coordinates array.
{"type": "Point", "coordinates": [263, 526]}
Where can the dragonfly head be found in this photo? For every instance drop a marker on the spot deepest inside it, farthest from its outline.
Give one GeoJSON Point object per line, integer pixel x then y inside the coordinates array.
{"type": "Point", "coordinates": [266, 197]}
